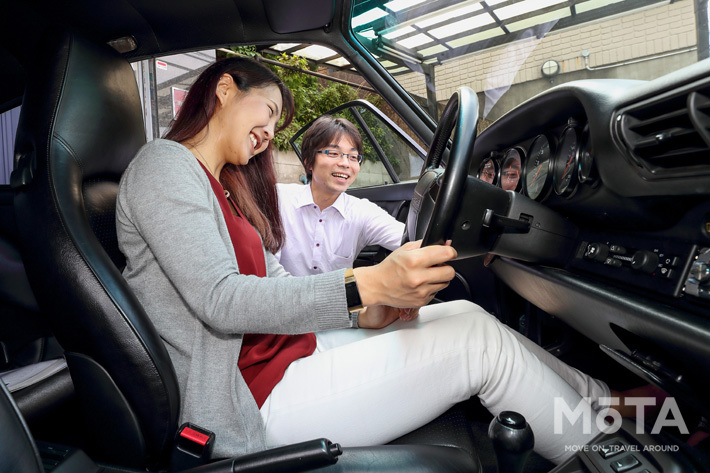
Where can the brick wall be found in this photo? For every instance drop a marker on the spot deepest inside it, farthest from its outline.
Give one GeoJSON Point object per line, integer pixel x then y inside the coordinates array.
{"type": "Point", "coordinates": [649, 32]}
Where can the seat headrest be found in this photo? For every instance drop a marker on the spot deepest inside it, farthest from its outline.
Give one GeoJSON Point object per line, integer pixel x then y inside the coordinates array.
{"type": "Point", "coordinates": [81, 124]}
{"type": "Point", "coordinates": [79, 99]}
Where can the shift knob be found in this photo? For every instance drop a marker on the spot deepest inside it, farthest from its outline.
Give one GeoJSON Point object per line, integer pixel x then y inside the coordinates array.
{"type": "Point", "coordinates": [512, 439]}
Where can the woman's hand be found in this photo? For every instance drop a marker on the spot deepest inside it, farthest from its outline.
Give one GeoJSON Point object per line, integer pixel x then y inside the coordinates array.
{"type": "Point", "coordinates": [380, 316]}
{"type": "Point", "coordinates": [409, 277]}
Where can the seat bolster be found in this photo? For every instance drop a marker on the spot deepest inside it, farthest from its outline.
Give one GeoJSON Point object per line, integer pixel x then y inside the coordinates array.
{"type": "Point", "coordinates": [375, 459]}
{"type": "Point", "coordinates": [37, 401]}
{"type": "Point", "coordinates": [404, 459]}
{"type": "Point", "coordinates": [451, 429]}
{"type": "Point", "coordinates": [17, 448]}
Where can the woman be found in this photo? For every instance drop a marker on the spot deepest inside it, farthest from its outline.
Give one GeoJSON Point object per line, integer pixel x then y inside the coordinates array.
{"type": "Point", "coordinates": [198, 222]}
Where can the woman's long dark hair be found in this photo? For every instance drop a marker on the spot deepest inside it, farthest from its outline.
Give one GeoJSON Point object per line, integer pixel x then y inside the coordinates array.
{"type": "Point", "coordinates": [253, 186]}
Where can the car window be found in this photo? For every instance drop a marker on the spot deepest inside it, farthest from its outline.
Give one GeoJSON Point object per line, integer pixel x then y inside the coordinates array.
{"type": "Point", "coordinates": [508, 51]}
{"type": "Point", "coordinates": [390, 154]}
{"type": "Point", "coordinates": [8, 129]}
{"type": "Point", "coordinates": [317, 88]}
{"type": "Point", "coordinates": [405, 161]}
{"type": "Point", "coordinates": [163, 83]}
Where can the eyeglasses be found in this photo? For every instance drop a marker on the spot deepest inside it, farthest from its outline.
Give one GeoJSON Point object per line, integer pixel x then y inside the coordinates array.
{"type": "Point", "coordinates": [353, 158]}
{"type": "Point", "coordinates": [511, 175]}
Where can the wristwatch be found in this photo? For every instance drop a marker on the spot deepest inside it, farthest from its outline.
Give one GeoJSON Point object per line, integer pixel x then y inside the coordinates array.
{"type": "Point", "coordinates": [352, 294]}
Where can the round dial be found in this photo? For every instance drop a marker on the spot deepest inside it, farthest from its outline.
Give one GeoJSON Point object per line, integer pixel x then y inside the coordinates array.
{"type": "Point", "coordinates": [700, 271]}
{"type": "Point", "coordinates": [537, 168]}
{"type": "Point", "coordinates": [510, 169]}
{"type": "Point", "coordinates": [586, 158]}
{"type": "Point", "coordinates": [488, 170]}
{"type": "Point", "coordinates": [566, 163]}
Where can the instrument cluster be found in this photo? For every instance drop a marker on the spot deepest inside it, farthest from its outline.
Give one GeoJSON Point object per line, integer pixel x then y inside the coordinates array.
{"type": "Point", "coordinates": [555, 162]}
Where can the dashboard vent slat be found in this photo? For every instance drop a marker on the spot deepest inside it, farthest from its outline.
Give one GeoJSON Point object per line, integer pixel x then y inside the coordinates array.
{"type": "Point", "coordinates": [669, 137]}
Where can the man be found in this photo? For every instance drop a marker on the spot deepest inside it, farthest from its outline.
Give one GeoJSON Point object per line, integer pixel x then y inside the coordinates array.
{"type": "Point", "coordinates": [325, 228]}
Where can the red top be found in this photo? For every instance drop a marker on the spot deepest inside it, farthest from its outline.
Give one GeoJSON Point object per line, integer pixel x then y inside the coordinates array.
{"type": "Point", "coordinates": [264, 357]}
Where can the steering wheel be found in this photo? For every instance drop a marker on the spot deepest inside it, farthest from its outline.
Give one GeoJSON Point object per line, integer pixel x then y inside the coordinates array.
{"type": "Point", "coordinates": [430, 216]}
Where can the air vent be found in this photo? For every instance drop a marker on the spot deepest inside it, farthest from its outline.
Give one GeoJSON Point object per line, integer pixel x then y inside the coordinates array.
{"type": "Point", "coordinates": [669, 137]}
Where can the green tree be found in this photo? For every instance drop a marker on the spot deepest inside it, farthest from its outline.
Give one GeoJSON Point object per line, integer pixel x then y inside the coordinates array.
{"type": "Point", "coordinates": [313, 96]}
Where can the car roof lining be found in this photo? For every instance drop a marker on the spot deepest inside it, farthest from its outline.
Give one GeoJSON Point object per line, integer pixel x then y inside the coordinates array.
{"type": "Point", "coordinates": [158, 27]}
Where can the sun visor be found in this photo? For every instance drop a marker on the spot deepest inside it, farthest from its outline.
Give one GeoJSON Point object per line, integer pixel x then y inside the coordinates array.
{"type": "Point", "coordinates": [287, 16]}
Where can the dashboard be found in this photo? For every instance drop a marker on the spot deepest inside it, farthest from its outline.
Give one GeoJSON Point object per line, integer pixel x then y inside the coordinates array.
{"type": "Point", "coordinates": [627, 163]}
{"type": "Point", "coordinates": [556, 160]}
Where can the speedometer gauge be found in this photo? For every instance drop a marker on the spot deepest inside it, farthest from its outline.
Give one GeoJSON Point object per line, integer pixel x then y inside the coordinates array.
{"type": "Point", "coordinates": [488, 170]}
{"type": "Point", "coordinates": [537, 168]}
{"type": "Point", "coordinates": [510, 169]}
{"type": "Point", "coordinates": [586, 158]}
{"type": "Point", "coordinates": [566, 163]}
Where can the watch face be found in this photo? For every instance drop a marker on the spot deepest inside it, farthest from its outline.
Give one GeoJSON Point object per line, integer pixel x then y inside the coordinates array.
{"type": "Point", "coordinates": [352, 294]}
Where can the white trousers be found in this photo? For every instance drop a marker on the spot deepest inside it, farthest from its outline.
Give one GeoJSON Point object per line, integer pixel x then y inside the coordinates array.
{"type": "Point", "coordinates": [368, 387]}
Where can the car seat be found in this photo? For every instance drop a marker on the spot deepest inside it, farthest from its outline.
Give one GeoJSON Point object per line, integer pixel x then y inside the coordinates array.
{"type": "Point", "coordinates": [80, 125]}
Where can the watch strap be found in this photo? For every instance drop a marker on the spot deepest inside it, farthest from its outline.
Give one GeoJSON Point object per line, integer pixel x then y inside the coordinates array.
{"type": "Point", "coordinates": [352, 294]}
{"type": "Point", "coordinates": [354, 319]}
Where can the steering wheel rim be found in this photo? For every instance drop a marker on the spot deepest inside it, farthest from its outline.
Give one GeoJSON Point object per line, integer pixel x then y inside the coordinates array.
{"type": "Point", "coordinates": [460, 113]}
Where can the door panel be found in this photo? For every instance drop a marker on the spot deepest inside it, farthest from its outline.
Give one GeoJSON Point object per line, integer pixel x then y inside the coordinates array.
{"type": "Point", "coordinates": [24, 335]}
{"type": "Point", "coordinates": [394, 198]}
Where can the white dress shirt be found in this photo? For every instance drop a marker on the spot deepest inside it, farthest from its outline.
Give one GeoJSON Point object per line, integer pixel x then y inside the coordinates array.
{"type": "Point", "coordinates": [322, 241]}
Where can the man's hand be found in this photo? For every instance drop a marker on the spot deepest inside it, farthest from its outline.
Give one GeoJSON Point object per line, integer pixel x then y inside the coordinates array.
{"type": "Point", "coordinates": [380, 316]}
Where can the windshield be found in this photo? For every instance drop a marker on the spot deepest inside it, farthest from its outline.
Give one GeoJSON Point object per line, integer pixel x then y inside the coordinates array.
{"type": "Point", "coordinates": [510, 50]}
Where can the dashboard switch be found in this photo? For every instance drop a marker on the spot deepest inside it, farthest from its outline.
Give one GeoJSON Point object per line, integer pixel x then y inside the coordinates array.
{"type": "Point", "coordinates": [597, 252]}
{"type": "Point", "coordinates": [672, 261]}
{"type": "Point", "coordinates": [610, 449]}
{"type": "Point", "coordinates": [646, 261]}
{"type": "Point", "coordinates": [617, 250]}
{"type": "Point", "coordinates": [700, 271]}
{"type": "Point", "coordinates": [613, 262]}
{"type": "Point", "coordinates": [698, 280]}
{"type": "Point", "coordinates": [667, 273]}
{"type": "Point", "coordinates": [625, 464]}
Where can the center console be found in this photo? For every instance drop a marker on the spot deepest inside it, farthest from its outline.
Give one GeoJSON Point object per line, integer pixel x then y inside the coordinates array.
{"type": "Point", "coordinates": [628, 451]}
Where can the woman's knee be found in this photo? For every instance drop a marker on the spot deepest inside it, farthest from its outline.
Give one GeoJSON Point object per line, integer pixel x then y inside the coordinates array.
{"type": "Point", "coordinates": [449, 309]}
{"type": "Point", "coordinates": [466, 322]}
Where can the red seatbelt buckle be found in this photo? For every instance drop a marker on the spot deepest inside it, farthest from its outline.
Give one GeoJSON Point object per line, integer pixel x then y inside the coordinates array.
{"type": "Point", "coordinates": [193, 447]}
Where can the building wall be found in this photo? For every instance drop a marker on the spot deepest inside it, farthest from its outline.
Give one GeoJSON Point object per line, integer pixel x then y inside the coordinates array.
{"type": "Point", "coordinates": [289, 169]}
{"type": "Point", "coordinates": [179, 71]}
{"type": "Point", "coordinates": [668, 28]}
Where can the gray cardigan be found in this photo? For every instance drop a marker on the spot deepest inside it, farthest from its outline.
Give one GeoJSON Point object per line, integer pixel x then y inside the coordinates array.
{"type": "Point", "coordinates": [181, 266]}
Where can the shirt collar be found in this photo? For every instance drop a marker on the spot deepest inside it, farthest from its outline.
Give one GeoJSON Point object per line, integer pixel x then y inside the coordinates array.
{"type": "Point", "coordinates": [340, 204]}
{"type": "Point", "coordinates": [305, 198]}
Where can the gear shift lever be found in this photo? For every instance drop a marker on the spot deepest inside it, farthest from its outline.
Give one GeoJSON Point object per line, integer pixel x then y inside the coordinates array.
{"type": "Point", "coordinates": [512, 439]}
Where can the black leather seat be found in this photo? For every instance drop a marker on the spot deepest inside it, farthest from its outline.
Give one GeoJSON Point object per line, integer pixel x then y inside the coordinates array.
{"type": "Point", "coordinates": [18, 453]}
{"type": "Point", "coordinates": [81, 124]}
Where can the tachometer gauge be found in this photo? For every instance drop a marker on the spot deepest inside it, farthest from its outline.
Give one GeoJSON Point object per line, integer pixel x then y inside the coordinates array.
{"type": "Point", "coordinates": [488, 171]}
{"type": "Point", "coordinates": [586, 158]}
{"type": "Point", "coordinates": [537, 168]}
{"type": "Point", "coordinates": [510, 169]}
{"type": "Point", "coordinates": [565, 166]}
